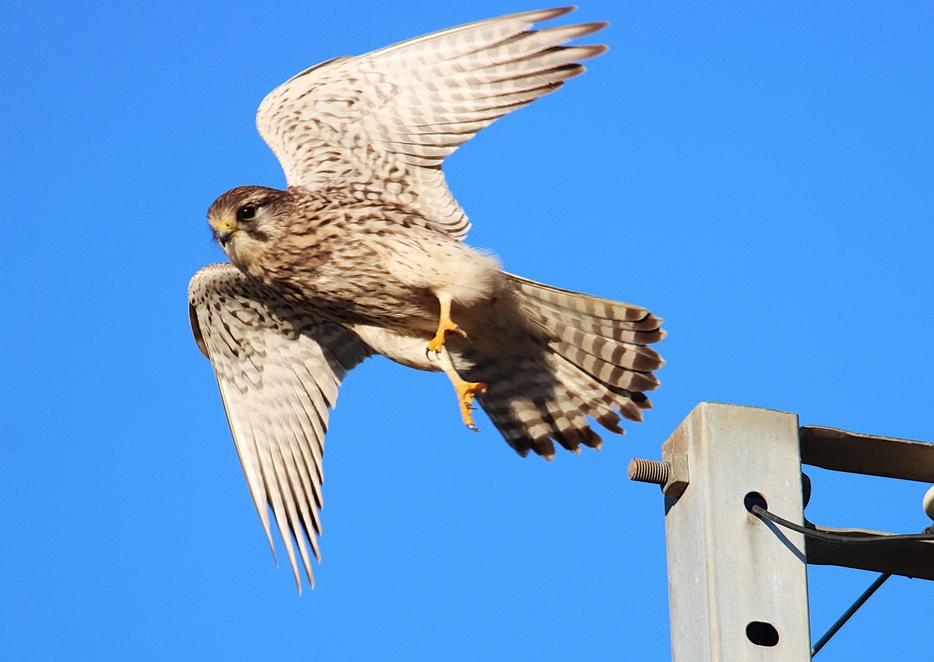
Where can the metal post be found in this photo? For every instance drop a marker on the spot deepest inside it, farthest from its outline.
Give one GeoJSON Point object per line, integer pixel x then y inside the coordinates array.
{"type": "Point", "coordinates": [737, 585]}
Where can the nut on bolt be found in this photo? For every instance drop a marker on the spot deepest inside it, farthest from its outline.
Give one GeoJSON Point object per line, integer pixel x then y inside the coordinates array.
{"type": "Point", "coordinates": [673, 478]}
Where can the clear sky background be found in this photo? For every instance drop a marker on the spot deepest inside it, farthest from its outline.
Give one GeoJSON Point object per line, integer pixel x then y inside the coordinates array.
{"type": "Point", "coordinates": [760, 174]}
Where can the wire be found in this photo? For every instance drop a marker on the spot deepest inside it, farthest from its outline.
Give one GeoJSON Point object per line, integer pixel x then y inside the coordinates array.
{"type": "Point", "coordinates": [836, 537]}
{"type": "Point", "coordinates": [860, 601]}
{"type": "Point", "coordinates": [928, 534]}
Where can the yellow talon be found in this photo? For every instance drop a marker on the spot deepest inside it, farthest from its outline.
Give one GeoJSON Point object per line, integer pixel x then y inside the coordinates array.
{"type": "Point", "coordinates": [465, 395]}
{"type": "Point", "coordinates": [445, 326]}
{"type": "Point", "coordinates": [465, 390]}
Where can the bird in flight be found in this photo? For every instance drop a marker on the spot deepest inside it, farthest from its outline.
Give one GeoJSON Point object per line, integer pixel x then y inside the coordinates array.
{"type": "Point", "coordinates": [363, 254]}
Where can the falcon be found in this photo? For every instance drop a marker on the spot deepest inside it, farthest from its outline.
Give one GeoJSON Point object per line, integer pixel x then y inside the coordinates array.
{"type": "Point", "coordinates": [363, 254]}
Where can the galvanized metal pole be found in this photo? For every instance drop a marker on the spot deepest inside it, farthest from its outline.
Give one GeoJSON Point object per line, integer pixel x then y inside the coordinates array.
{"type": "Point", "coordinates": [737, 584]}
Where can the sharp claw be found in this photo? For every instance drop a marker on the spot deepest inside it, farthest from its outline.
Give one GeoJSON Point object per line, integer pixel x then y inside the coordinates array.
{"type": "Point", "coordinates": [445, 327]}
{"type": "Point", "coordinates": [466, 392]}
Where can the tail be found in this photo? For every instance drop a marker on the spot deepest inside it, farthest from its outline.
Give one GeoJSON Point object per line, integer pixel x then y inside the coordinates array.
{"type": "Point", "coordinates": [595, 363]}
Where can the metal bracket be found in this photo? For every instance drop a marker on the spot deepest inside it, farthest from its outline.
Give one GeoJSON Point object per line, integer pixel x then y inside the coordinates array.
{"type": "Point", "coordinates": [737, 584]}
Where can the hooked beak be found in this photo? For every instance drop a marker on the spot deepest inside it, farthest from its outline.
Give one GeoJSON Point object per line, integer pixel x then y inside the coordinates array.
{"type": "Point", "coordinates": [224, 233]}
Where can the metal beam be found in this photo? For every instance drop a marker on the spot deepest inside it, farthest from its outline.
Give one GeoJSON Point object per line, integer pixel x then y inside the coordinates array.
{"type": "Point", "coordinates": [910, 558]}
{"type": "Point", "coordinates": [737, 585]}
{"type": "Point", "coordinates": [857, 453]}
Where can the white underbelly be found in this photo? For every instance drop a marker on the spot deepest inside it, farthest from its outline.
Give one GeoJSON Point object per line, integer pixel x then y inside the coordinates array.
{"type": "Point", "coordinates": [443, 266]}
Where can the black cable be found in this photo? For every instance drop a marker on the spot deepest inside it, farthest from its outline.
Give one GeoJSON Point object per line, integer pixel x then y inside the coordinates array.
{"type": "Point", "coordinates": [836, 537]}
{"type": "Point", "coordinates": [880, 580]}
{"type": "Point", "coordinates": [928, 534]}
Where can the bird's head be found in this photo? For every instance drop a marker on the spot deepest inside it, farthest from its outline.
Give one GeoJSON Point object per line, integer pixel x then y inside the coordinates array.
{"type": "Point", "coordinates": [245, 218]}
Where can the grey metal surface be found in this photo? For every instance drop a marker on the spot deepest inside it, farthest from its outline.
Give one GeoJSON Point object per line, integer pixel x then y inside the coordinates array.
{"type": "Point", "coordinates": [911, 558]}
{"type": "Point", "coordinates": [840, 450]}
{"type": "Point", "coordinates": [675, 455]}
{"type": "Point", "coordinates": [728, 571]}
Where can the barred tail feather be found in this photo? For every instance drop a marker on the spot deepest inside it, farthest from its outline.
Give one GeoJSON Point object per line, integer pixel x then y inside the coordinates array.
{"type": "Point", "coordinates": [597, 365]}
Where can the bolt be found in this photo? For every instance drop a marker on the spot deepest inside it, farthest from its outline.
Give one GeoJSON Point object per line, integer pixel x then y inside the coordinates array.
{"type": "Point", "coordinates": [648, 471]}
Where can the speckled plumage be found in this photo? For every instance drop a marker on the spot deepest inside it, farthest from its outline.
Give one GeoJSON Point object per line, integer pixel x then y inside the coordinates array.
{"type": "Point", "coordinates": [364, 249]}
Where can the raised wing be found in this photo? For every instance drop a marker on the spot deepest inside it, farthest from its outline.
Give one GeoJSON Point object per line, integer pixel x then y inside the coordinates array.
{"type": "Point", "coordinates": [379, 125]}
{"type": "Point", "coordinates": [278, 369]}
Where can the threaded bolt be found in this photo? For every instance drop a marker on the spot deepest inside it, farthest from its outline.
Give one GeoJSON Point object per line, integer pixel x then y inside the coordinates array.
{"type": "Point", "coordinates": [648, 471]}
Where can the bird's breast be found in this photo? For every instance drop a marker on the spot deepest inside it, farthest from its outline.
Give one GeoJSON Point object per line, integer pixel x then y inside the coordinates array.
{"type": "Point", "coordinates": [369, 270]}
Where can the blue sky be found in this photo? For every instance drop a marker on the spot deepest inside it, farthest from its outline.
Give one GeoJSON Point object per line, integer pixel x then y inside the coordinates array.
{"type": "Point", "coordinates": [758, 174]}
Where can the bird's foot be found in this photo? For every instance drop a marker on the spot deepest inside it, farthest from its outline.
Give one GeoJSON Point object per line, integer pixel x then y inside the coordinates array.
{"type": "Point", "coordinates": [445, 326]}
{"type": "Point", "coordinates": [465, 395]}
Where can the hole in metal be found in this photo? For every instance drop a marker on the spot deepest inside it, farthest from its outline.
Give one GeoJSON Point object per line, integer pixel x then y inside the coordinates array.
{"type": "Point", "coordinates": [755, 499]}
{"type": "Point", "coordinates": [762, 634]}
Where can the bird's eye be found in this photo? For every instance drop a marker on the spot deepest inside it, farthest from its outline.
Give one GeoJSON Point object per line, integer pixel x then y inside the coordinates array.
{"type": "Point", "coordinates": [247, 213]}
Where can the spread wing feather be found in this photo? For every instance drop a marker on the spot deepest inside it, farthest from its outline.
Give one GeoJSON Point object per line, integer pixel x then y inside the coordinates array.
{"type": "Point", "coordinates": [278, 369]}
{"type": "Point", "coordinates": [379, 125]}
